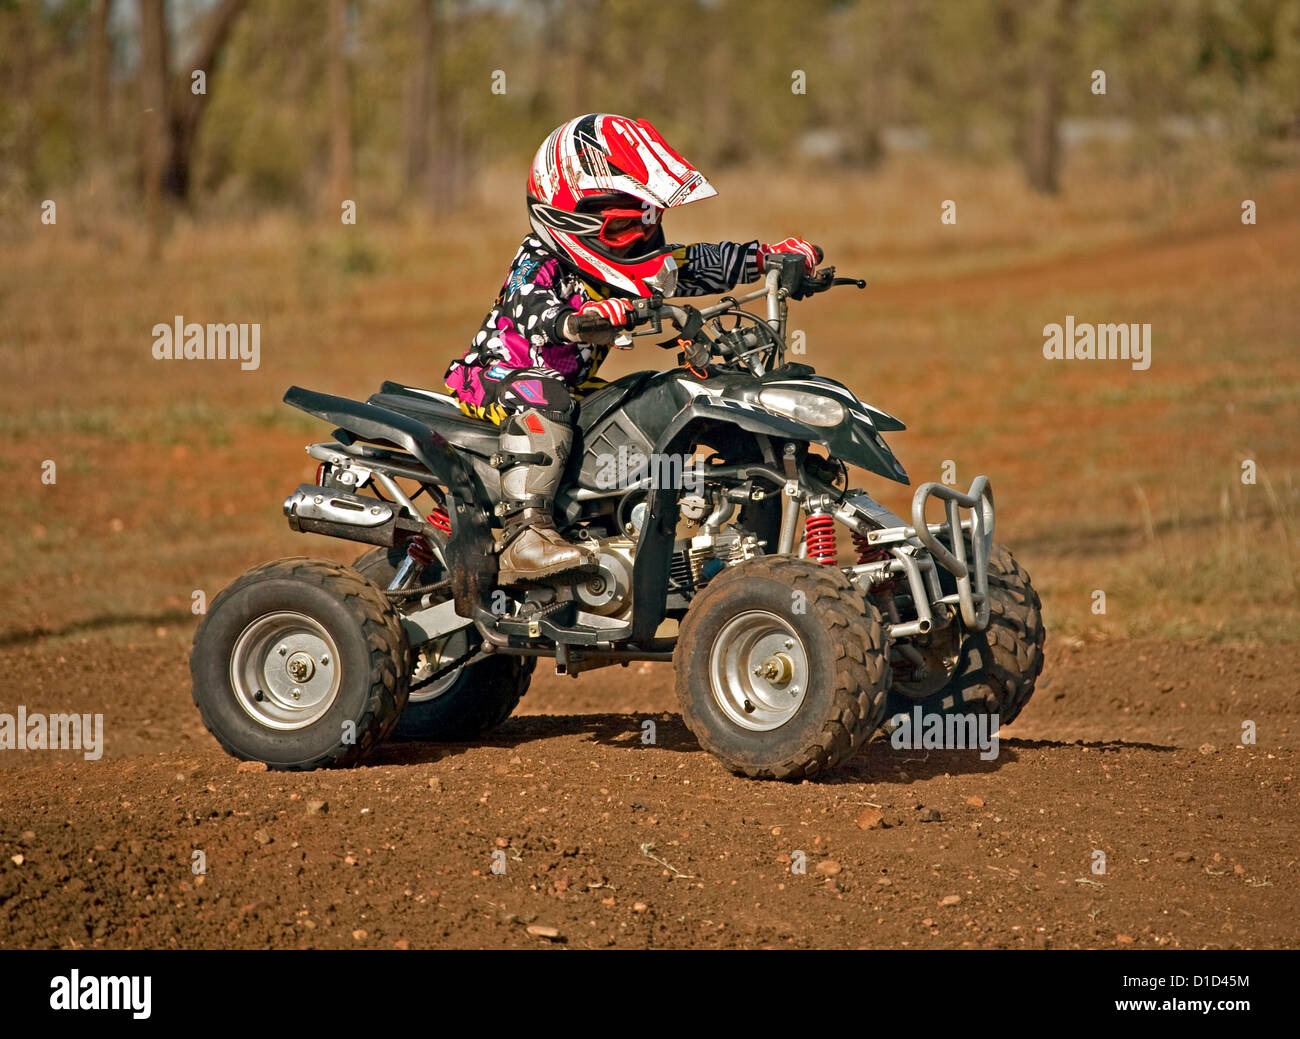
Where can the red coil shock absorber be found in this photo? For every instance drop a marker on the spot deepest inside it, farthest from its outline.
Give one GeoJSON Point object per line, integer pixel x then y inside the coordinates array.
{"type": "Point", "coordinates": [819, 534]}
{"type": "Point", "coordinates": [439, 518]}
{"type": "Point", "coordinates": [869, 553]}
{"type": "Point", "coordinates": [418, 547]}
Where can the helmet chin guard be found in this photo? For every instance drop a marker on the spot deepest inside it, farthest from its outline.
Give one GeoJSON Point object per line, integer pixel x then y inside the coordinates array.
{"type": "Point", "coordinates": [605, 157]}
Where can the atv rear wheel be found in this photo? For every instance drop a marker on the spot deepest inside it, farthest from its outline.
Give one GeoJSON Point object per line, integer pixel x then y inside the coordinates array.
{"type": "Point", "coordinates": [781, 668]}
{"type": "Point", "coordinates": [997, 668]}
{"type": "Point", "coordinates": [300, 663]}
{"type": "Point", "coordinates": [467, 702]}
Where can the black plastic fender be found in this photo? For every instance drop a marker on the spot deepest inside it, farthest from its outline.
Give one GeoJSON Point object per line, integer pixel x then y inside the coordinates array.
{"type": "Point", "coordinates": [859, 442]}
{"type": "Point", "coordinates": [471, 558]}
{"type": "Point", "coordinates": [857, 439]}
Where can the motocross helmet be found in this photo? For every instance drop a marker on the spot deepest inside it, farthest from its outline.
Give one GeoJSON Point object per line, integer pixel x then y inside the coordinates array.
{"type": "Point", "coordinates": [598, 187]}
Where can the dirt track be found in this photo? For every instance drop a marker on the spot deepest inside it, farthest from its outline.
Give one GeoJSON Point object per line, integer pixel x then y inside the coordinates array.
{"type": "Point", "coordinates": [1128, 748]}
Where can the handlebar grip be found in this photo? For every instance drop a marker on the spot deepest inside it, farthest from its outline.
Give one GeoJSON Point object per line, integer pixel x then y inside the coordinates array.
{"type": "Point", "coordinates": [583, 323]}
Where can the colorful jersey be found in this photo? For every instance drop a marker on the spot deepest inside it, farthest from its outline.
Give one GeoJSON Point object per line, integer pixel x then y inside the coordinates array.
{"type": "Point", "coordinates": [524, 329]}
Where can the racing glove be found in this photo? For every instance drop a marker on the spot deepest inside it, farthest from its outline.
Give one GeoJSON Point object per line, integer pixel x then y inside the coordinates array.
{"type": "Point", "coordinates": [790, 245]}
{"type": "Point", "coordinates": [615, 311]}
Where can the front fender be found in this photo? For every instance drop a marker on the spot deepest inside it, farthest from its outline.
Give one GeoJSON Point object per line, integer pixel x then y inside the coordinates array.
{"type": "Point", "coordinates": [857, 439]}
{"type": "Point", "coordinates": [654, 549]}
{"type": "Point", "coordinates": [859, 443]}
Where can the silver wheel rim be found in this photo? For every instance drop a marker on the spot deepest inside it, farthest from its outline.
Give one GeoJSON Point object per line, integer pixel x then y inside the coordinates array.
{"type": "Point", "coordinates": [285, 670]}
{"type": "Point", "coordinates": [435, 655]}
{"type": "Point", "coordinates": [758, 671]}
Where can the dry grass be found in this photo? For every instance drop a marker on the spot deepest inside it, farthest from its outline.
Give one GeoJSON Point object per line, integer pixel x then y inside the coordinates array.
{"type": "Point", "coordinates": [192, 459]}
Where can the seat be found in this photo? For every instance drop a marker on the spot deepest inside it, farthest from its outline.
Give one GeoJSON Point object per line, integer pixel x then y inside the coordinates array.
{"type": "Point", "coordinates": [440, 412]}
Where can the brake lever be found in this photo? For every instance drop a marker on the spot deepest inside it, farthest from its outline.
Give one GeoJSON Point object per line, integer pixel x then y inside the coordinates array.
{"type": "Point", "coordinates": [822, 281]}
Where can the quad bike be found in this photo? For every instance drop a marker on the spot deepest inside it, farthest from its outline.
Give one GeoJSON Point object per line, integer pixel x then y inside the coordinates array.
{"type": "Point", "coordinates": [711, 495]}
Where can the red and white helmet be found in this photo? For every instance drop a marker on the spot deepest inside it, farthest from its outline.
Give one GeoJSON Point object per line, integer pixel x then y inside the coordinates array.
{"type": "Point", "coordinates": [598, 186]}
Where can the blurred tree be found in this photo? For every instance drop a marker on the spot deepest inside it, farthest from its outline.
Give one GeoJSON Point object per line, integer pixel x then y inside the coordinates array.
{"type": "Point", "coordinates": [174, 106]}
{"type": "Point", "coordinates": [397, 95]}
{"type": "Point", "coordinates": [187, 105]}
{"type": "Point", "coordinates": [420, 112]}
{"type": "Point", "coordinates": [153, 97]}
{"type": "Point", "coordinates": [1049, 62]}
{"type": "Point", "coordinates": [100, 84]}
{"type": "Point", "coordinates": [340, 107]}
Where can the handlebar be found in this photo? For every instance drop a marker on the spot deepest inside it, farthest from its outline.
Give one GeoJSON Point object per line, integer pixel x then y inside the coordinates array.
{"type": "Point", "coordinates": [786, 278]}
{"type": "Point", "coordinates": [589, 324]}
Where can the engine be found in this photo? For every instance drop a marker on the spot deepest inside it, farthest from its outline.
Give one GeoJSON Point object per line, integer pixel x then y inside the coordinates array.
{"type": "Point", "coordinates": [608, 592]}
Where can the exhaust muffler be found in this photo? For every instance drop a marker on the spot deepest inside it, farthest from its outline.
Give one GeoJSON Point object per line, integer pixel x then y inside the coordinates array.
{"type": "Point", "coordinates": [323, 510]}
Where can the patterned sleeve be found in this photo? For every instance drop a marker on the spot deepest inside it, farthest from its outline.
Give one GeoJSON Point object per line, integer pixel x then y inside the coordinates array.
{"type": "Point", "coordinates": [532, 300]}
{"type": "Point", "coordinates": [709, 267]}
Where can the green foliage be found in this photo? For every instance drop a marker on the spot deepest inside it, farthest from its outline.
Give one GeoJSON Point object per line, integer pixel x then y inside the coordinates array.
{"type": "Point", "coordinates": [716, 74]}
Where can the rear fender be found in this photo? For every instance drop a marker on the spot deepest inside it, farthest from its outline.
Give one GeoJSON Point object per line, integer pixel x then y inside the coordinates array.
{"type": "Point", "coordinates": [469, 549]}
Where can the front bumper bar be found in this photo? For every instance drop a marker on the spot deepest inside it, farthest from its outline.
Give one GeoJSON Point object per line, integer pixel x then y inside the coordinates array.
{"type": "Point", "coordinates": [916, 549]}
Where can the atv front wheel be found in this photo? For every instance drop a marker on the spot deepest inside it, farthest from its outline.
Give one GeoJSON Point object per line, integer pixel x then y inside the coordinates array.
{"type": "Point", "coordinates": [781, 668]}
{"type": "Point", "coordinates": [467, 702]}
{"type": "Point", "coordinates": [997, 668]}
{"type": "Point", "coordinates": [301, 664]}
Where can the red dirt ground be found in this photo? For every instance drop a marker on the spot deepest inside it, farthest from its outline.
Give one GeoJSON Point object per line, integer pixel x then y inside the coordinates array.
{"type": "Point", "coordinates": [1128, 748]}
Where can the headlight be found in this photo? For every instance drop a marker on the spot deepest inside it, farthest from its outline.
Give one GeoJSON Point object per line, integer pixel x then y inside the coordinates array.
{"type": "Point", "coordinates": [809, 408]}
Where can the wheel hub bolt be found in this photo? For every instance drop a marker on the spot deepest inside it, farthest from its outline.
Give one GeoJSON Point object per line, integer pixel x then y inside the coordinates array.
{"type": "Point", "coordinates": [300, 667]}
{"type": "Point", "coordinates": [777, 669]}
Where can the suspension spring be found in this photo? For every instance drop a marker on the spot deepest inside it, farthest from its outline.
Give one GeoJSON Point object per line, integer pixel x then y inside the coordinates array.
{"type": "Point", "coordinates": [819, 535]}
{"type": "Point", "coordinates": [869, 553]}
{"type": "Point", "coordinates": [418, 548]}
{"type": "Point", "coordinates": [439, 518]}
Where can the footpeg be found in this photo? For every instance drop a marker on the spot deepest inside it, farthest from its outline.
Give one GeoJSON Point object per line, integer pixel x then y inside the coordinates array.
{"type": "Point", "coordinates": [548, 621]}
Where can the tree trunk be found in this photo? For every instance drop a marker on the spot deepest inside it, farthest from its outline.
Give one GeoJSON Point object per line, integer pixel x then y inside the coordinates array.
{"type": "Point", "coordinates": [340, 108]}
{"type": "Point", "coordinates": [1042, 140]}
{"type": "Point", "coordinates": [440, 175]}
{"type": "Point", "coordinates": [717, 110]}
{"type": "Point", "coordinates": [188, 107]}
{"type": "Point", "coordinates": [153, 102]}
{"type": "Point", "coordinates": [582, 38]}
{"type": "Point", "coordinates": [416, 157]}
{"type": "Point", "coordinates": [99, 88]}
